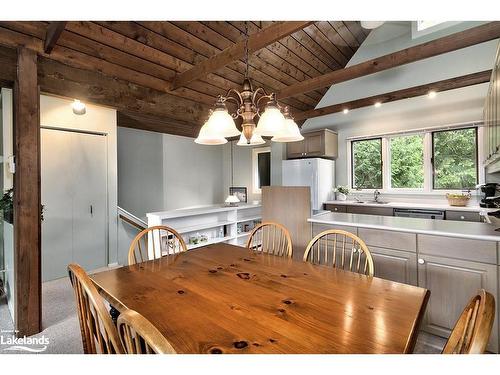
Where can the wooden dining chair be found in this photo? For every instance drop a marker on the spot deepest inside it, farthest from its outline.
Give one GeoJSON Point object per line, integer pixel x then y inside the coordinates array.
{"type": "Point", "coordinates": [99, 334]}
{"type": "Point", "coordinates": [271, 238]}
{"type": "Point", "coordinates": [472, 330]}
{"type": "Point", "coordinates": [340, 249]}
{"type": "Point", "coordinates": [164, 241]}
{"type": "Point", "coordinates": [139, 336]}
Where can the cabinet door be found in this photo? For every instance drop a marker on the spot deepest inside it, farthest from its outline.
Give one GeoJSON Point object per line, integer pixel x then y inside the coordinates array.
{"type": "Point", "coordinates": [315, 145]}
{"type": "Point", "coordinates": [369, 210]}
{"type": "Point", "coordinates": [295, 149]}
{"type": "Point", "coordinates": [452, 283]}
{"type": "Point", "coordinates": [395, 265]}
{"type": "Point", "coordinates": [463, 216]}
{"type": "Point", "coordinates": [335, 207]}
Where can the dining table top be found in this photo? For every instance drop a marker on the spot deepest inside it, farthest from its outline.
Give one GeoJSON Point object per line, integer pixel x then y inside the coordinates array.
{"type": "Point", "coordinates": [223, 298]}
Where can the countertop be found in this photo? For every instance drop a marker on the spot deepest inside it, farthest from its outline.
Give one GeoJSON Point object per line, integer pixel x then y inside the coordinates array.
{"type": "Point", "coordinates": [430, 206]}
{"type": "Point", "coordinates": [459, 229]}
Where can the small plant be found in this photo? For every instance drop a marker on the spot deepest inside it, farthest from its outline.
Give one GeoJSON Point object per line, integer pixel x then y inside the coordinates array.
{"type": "Point", "coordinates": [7, 206]}
{"type": "Point", "coordinates": [342, 189]}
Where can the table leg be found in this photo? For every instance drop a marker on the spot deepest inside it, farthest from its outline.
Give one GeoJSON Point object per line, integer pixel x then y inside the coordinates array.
{"type": "Point", "coordinates": [114, 314]}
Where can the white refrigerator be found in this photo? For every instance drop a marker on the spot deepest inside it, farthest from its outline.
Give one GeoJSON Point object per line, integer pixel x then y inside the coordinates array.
{"type": "Point", "coordinates": [318, 174]}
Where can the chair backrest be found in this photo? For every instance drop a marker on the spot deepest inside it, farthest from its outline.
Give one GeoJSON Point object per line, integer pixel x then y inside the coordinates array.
{"type": "Point", "coordinates": [99, 334]}
{"type": "Point", "coordinates": [340, 249]}
{"type": "Point", "coordinates": [271, 238]}
{"type": "Point", "coordinates": [163, 241]}
{"type": "Point", "coordinates": [472, 330]}
{"type": "Point", "coordinates": [139, 336]}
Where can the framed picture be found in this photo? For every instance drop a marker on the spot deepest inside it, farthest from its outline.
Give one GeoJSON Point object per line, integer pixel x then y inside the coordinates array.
{"type": "Point", "coordinates": [240, 192]}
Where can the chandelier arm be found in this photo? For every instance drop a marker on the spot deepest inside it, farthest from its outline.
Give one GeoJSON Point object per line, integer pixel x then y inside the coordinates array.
{"type": "Point", "coordinates": [237, 96]}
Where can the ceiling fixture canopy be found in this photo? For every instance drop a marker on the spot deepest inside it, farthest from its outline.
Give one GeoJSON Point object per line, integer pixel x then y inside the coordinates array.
{"type": "Point", "coordinates": [371, 24]}
{"type": "Point", "coordinates": [274, 120]}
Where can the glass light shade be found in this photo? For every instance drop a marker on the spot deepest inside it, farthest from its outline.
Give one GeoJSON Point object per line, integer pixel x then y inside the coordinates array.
{"type": "Point", "coordinates": [232, 199]}
{"type": "Point", "coordinates": [222, 124]}
{"type": "Point", "coordinates": [79, 108]}
{"type": "Point", "coordinates": [291, 133]}
{"type": "Point", "coordinates": [207, 136]}
{"type": "Point", "coordinates": [271, 122]}
{"type": "Point", "coordinates": [254, 141]}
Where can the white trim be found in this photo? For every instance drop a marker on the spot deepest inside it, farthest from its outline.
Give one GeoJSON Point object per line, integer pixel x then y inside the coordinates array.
{"type": "Point", "coordinates": [478, 123]}
{"type": "Point", "coordinates": [428, 173]}
{"type": "Point", "coordinates": [255, 169]}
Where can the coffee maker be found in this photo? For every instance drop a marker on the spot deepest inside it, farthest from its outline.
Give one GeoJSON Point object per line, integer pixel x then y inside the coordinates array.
{"type": "Point", "coordinates": [488, 191]}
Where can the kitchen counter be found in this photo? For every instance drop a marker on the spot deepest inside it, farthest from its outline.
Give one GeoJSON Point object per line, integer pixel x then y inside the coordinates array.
{"type": "Point", "coordinates": [423, 206]}
{"type": "Point", "coordinates": [468, 230]}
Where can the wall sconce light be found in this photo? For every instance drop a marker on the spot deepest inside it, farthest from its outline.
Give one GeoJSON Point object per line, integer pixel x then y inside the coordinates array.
{"type": "Point", "coordinates": [78, 107]}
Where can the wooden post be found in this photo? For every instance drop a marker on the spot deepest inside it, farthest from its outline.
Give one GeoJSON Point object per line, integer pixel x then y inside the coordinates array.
{"type": "Point", "coordinates": [27, 228]}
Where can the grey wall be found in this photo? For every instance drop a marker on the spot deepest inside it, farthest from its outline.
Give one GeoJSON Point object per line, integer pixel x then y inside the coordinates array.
{"type": "Point", "coordinates": [164, 172]}
{"type": "Point", "coordinates": [243, 166]}
{"type": "Point", "coordinates": [140, 171]}
{"type": "Point", "coordinates": [456, 106]}
{"type": "Point", "coordinates": [192, 173]}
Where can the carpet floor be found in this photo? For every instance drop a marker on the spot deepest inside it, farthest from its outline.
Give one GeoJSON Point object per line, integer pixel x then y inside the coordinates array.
{"type": "Point", "coordinates": [61, 326]}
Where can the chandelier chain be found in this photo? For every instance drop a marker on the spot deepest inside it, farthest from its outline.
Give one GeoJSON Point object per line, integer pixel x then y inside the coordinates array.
{"type": "Point", "coordinates": [246, 49]}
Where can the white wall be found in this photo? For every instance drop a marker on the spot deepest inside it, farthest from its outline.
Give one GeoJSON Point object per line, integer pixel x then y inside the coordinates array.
{"type": "Point", "coordinates": [164, 172]}
{"type": "Point", "coordinates": [57, 113]}
{"type": "Point", "coordinates": [455, 106]}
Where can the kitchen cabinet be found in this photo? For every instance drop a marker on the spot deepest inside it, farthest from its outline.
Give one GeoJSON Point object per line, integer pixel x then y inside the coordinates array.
{"type": "Point", "coordinates": [370, 210]}
{"type": "Point", "coordinates": [317, 144]}
{"type": "Point", "coordinates": [462, 216]}
{"type": "Point", "coordinates": [491, 115]}
{"type": "Point", "coordinates": [452, 283]}
{"type": "Point", "coordinates": [395, 265]}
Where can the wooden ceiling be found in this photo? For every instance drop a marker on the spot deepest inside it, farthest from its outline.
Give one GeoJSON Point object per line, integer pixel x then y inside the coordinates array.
{"type": "Point", "coordinates": [154, 54]}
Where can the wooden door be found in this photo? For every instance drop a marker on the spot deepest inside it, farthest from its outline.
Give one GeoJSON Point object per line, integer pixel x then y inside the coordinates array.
{"type": "Point", "coordinates": [395, 265]}
{"type": "Point", "coordinates": [74, 195]}
{"type": "Point", "coordinates": [452, 283]}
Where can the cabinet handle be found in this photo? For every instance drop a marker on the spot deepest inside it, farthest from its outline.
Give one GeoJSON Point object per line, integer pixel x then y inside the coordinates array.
{"type": "Point", "coordinates": [462, 217]}
{"type": "Point", "coordinates": [421, 261]}
{"type": "Point", "coordinates": [335, 209]}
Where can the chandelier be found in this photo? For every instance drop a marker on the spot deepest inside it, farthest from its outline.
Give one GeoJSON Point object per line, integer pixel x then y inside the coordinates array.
{"type": "Point", "coordinates": [274, 121]}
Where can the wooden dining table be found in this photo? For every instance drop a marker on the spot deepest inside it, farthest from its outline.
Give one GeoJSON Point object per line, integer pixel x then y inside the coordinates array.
{"type": "Point", "coordinates": [223, 298]}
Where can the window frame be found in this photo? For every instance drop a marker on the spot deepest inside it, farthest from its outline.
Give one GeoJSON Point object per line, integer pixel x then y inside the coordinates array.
{"type": "Point", "coordinates": [433, 169]}
{"type": "Point", "coordinates": [381, 161]}
{"type": "Point", "coordinates": [428, 167]}
{"type": "Point", "coordinates": [255, 167]}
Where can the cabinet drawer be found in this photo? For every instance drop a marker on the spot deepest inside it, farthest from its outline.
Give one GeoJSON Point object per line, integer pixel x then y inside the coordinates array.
{"type": "Point", "coordinates": [318, 228]}
{"type": "Point", "coordinates": [335, 207]}
{"type": "Point", "coordinates": [459, 248]}
{"type": "Point", "coordinates": [463, 216]}
{"type": "Point", "coordinates": [388, 239]}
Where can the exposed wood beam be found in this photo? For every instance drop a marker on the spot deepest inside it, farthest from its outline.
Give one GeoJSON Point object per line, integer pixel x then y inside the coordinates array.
{"type": "Point", "coordinates": [256, 41]}
{"type": "Point", "coordinates": [54, 31]}
{"type": "Point", "coordinates": [435, 47]}
{"type": "Point", "coordinates": [27, 201]}
{"type": "Point", "coordinates": [156, 124]}
{"type": "Point", "coordinates": [444, 85]}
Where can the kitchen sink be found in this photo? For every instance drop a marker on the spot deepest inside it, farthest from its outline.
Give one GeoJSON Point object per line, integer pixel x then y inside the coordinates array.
{"type": "Point", "coordinates": [370, 202]}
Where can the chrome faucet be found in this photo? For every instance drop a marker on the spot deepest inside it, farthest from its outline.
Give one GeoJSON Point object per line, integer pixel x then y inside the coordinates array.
{"type": "Point", "coordinates": [357, 199]}
{"type": "Point", "coordinates": [376, 194]}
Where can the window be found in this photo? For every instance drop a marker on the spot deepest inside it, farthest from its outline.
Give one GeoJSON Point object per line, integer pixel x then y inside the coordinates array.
{"type": "Point", "coordinates": [407, 162]}
{"type": "Point", "coordinates": [261, 165]}
{"type": "Point", "coordinates": [367, 164]}
{"type": "Point", "coordinates": [454, 156]}
{"type": "Point", "coordinates": [425, 161]}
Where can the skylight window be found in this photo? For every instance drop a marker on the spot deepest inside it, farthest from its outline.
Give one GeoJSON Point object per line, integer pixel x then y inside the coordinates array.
{"type": "Point", "coordinates": [423, 25]}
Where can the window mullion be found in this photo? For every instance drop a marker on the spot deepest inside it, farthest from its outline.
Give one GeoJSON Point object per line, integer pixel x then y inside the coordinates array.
{"type": "Point", "coordinates": [386, 164]}
{"type": "Point", "coordinates": [427, 162]}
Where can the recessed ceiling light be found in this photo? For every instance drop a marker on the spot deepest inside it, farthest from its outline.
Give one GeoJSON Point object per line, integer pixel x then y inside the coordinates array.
{"type": "Point", "coordinates": [78, 107]}
{"type": "Point", "coordinates": [432, 94]}
{"type": "Point", "coordinates": [346, 111]}
{"type": "Point", "coordinates": [377, 104]}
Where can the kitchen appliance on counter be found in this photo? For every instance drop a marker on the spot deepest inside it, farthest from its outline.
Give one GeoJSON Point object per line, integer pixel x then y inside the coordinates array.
{"type": "Point", "coordinates": [488, 191]}
{"type": "Point", "coordinates": [318, 174]}
{"type": "Point", "coordinates": [421, 214]}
